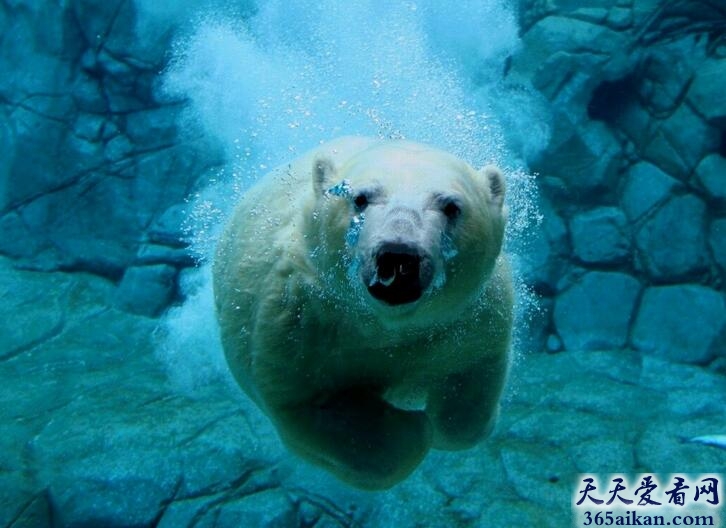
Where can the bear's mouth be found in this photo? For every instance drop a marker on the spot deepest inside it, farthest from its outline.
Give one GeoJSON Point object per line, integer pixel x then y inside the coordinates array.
{"type": "Point", "coordinates": [401, 274]}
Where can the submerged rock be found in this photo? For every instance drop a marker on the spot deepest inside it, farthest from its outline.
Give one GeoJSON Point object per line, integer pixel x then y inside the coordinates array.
{"type": "Point", "coordinates": [600, 235]}
{"type": "Point", "coordinates": [706, 91]}
{"type": "Point", "coordinates": [666, 76]}
{"type": "Point", "coordinates": [147, 290]}
{"type": "Point", "coordinates": [30, 312]}
{"type": "Point", "coordinates": [682, 323]}
{"type": "Point", "coordinates": [717, 242]}
{"type": "Point", "coordinates": [678, 143]}
{"type": "Point", "coordinates": [595, 312]}
{"type": "Point", "coordinates": [646, 187]}
{"type": "Point", "coordinates": [92, 156]}
{"type": "Point", "coordinates": [671, 245]}
{"type": "Point", "coordinates": [711, 175]}
{"type": "Point", "coordinates": [586, 159]}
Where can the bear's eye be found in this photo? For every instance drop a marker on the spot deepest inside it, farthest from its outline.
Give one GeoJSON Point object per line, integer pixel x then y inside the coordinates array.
{"type": "Point", "coordinates": [360, 201]}
{"type": "Point", "coordinates": [451, 210]}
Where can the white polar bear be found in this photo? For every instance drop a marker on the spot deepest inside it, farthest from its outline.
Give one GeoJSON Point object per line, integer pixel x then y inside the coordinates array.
{"type": "Point", "coordinates": [364, 304]}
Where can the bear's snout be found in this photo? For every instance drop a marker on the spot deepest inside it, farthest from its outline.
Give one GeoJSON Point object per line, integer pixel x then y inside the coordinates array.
{"type": "Point", "coordinates": [401, 274]}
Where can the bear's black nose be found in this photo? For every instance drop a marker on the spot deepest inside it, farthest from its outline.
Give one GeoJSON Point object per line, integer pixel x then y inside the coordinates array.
{"type": "Point", "coordinates": [402, 273]}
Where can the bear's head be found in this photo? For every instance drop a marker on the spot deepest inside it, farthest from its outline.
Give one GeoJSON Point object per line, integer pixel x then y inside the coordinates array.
{"type": "Point", "coordinates": [409, 228]}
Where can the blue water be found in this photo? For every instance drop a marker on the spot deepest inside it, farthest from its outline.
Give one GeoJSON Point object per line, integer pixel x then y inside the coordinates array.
{"type": "Point", "coordinates": [118, 419]}
{"type": "Point", "coordinates": [299, 73]}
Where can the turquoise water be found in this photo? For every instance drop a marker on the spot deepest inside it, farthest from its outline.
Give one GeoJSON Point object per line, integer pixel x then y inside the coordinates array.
{"type": "Point", "coordinates": [131, 130]}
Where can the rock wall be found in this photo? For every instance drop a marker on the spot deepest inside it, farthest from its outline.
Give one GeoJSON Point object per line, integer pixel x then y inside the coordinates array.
{"type": "Point", "coordinates": [633, 182]}
{"type": "Point", "coordinates": [94, 171]}
{"type": "Point", "coordinates": [632, 250]}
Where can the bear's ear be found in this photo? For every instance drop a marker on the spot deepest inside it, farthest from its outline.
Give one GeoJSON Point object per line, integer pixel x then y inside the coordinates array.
{"type": "Point", "coordinates": [324, 173]}
{"type": "Point", "coordinates": [494, 179]}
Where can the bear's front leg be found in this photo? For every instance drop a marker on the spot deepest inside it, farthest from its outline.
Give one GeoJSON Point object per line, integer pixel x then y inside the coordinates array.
{"type": "Point", "coordinates": [463, 407]}
{"type": "Point", "coordinates": [322, 410]}
{"type": "Point", "coordinates": [358, 436]}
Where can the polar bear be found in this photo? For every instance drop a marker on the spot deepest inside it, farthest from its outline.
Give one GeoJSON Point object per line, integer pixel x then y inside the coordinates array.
{"type": "Point", "coordinates": [365, 304]}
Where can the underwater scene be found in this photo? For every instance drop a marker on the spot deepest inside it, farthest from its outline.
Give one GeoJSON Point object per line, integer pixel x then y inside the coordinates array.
{"type": "Point", "coordinates": [284, 263]}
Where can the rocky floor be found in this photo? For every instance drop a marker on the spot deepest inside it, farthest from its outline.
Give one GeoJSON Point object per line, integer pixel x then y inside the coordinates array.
{"type": "Point", "coordinates": [95, 434]}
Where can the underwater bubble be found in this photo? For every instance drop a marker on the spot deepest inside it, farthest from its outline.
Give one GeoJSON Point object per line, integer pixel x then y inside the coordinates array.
{"type": "Point", "coordinates": [340, 189]}
{"type": "Point", "coordinates": [448, 250]}
{"type": "Point", "coordinates": [353, 233]}
{"type": "Point", "coordinates": [188, 338]}
{"type": "Point", "coordinates": [280, 81]}
{"type": "Point", "coordinates": [524, 219]}
{"type": "Point", "coordinates": [439, 279]}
